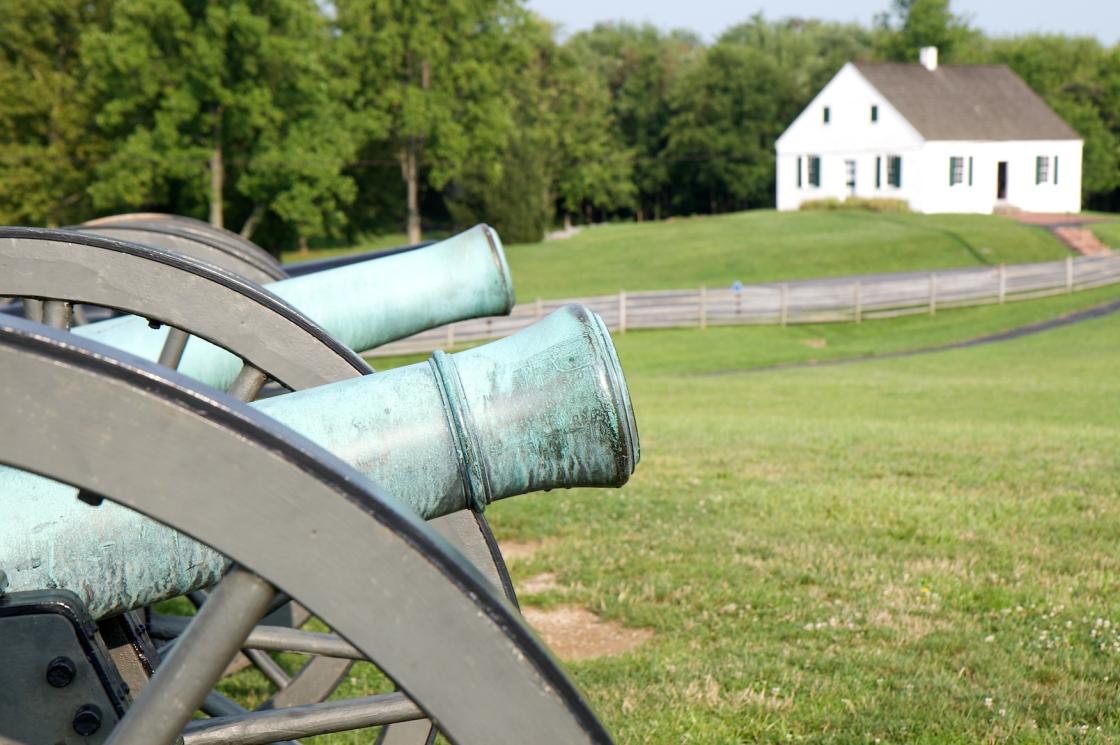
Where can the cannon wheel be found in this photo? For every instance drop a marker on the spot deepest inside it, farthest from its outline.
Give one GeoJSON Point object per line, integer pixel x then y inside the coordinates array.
{"type": "Point", "coordinates": [186, 230]}
{"type": "Point", "coordinates": [273, 338]}
{"type": "Point", "coordinates": [380, 577]}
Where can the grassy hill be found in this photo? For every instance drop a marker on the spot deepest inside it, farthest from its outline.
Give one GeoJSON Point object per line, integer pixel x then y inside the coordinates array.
{"type": "Point", "coordinates": [1108, 232]}
{"type": "Point", "coordinates": [757, 246]}
{"type": "Point", "coordinates": [763, 245]}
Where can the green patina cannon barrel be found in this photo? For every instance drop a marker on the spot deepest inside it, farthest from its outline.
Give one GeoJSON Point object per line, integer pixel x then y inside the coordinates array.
{"type": "Point", "coordinates": [363, 305]}
{"type": "Point", "coordinates": [544, 408]}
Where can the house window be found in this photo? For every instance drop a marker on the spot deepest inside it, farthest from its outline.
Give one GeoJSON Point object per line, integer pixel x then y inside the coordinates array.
{"type": "Point", "coordinates": [956, 170]}
{"type": "Point", "coordinates": [878, 172]}
{"type": "Point", "coordinates": [1041, 169]}
{"type": "Point", "coordinates": [874, 113]}
{"type": "Point", "coordinates": [798, 171]}
{"type": "Point", "coordinates": [814, 170]}
{"type": "Point", "coordinates": [1055, 170]}
{"type": "Point", "coordinates": [827, 114]}
{"type": "Point", "coordinates": [894, 171]}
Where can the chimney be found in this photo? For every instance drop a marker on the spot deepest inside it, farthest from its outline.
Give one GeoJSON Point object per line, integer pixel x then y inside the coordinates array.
{"type": "Point", "coordinates": [928, 57]}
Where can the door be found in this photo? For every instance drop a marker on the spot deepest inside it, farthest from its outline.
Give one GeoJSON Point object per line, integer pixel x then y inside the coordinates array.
{"type": "Point", "coordinates": [1001, 180]}
{"type": "Point", "coordinates": [850, 174]}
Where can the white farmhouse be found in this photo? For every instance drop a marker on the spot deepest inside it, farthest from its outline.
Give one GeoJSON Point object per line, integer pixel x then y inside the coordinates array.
{"type": "Point", "coordinates": [949, 138]}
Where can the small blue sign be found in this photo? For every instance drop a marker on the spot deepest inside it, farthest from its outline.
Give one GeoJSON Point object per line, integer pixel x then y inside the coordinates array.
{"type": "Point", "coordinates": [736, 286]}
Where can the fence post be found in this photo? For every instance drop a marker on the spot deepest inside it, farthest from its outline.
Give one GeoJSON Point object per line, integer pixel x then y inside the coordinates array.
{"type": "Point", "coordinates": [932, 293]}
{"type": "Point", "coordinates": [450, 335]}
{"type": "Point", "coordinates": [540, 309]}
{"type": "Point", "coordinates": [622, 311]}
{"type": "Point", "coordinates": [783, 304]}
{"type": "Point", "coordinates": [857, 301]}
{"type": "Point", "coordinates": [1002, 294]}
{"type": "Point", "coordinates": [1069, 274]}
{"type": "Point", "coordinates": [703, 307]}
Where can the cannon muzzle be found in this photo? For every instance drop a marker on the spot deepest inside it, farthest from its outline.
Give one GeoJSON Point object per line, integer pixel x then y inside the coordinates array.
{"type": "Point", "coordinates": [363, 305]}
{"type": "Point", "coordinates": [545, 408]}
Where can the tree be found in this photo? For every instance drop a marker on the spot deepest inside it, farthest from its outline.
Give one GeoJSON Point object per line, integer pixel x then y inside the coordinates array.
{"type": "Point", "coordinates": [563, 150]}
{"type": "Point", "coordinates": [46, 148]}
{"type": "Point", "coordinates": [1080, 80]}
{"type": "Point", "coordinates": [809, 50]}
{"type": "Point", "coordinates": [913, 24]}
{"type": "Point", "coordinates": [429, 72]}
{"type": "Point", "coordinates": [202, 96]}
{"type": "Point", "coordinates": [641, 67]}
{"type": "Point", "coordinates": [727, 113]}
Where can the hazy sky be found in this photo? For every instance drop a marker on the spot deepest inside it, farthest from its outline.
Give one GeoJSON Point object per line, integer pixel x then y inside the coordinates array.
{"type": "Point", "coordinates": [709, 17]}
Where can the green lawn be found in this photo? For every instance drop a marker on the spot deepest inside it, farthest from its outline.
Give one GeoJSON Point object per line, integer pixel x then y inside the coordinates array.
{"type": "Point", "coordinates": [1108, 232]}
{"type": "Point", "coordinates": [919, 549]}
{"type": "Point", "coordinates": [764, 245]}
{"type": "Point", "coordinates": [757, 246]}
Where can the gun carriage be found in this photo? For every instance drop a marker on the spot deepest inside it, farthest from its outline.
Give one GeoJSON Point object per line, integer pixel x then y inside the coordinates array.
{"type": "Point", "coordinates": [359, 495]}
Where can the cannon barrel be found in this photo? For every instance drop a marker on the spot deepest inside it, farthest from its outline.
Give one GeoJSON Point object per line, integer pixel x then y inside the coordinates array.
{"type": "Point", "coordinates": [545, 408]}
{"type": "Point", "coordinates": [363, 305]}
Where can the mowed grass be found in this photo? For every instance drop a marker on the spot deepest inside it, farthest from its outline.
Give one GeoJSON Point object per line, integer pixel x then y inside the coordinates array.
{"type": "Point", "coordinates": [755, 246]}
{"type": "Point", "coordinates": [1108, 232]}
{"type": "Point", "coordinates": [763, 246]}
{"type": "Point", "coordinates": [918, 549]}
{"type": "Point", "coordinates": [909, 550]}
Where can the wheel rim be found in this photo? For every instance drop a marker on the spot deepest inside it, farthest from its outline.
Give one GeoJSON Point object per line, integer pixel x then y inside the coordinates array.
{"type": "Point", "coordinates": [452, 638]}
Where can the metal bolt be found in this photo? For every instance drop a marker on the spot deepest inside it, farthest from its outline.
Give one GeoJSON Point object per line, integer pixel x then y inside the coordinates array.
{"type": "Point", "coordinates": [61, 672]}
{"type": "Point", "coordinates": [87, 719]}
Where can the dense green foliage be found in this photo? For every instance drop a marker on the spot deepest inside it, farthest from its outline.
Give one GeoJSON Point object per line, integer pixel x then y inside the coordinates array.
{"type": "Point", "coordinates": [298, 121]}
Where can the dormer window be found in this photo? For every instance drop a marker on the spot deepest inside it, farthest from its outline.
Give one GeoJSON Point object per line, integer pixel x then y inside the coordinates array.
{"type": "Point", "coordinates": [827, 114]}
{"type": "Point", "coordinates": [874, 113]}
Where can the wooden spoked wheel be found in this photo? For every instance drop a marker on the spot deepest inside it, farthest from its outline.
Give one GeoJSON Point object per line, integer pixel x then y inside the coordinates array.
{"type": "Point", "coordinates": [272, 339]}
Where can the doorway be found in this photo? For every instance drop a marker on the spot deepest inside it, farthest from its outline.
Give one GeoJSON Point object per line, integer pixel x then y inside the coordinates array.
{"type": "Point", "coordinates": [850, 176]}
{"type": "Point", "coordinates": [1001, 180]}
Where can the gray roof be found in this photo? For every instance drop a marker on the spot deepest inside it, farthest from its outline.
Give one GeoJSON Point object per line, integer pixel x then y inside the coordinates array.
{"type": "Point", "coordinates": [966, 102]}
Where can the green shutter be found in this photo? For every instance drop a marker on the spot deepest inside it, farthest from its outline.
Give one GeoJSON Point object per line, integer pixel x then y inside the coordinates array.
{"type": "Point", "coordinates": [1055, 169]}
{"type": "Point", "coordinates": [878, 167]}
{"type": "Point", "coordinates": [970, 170]}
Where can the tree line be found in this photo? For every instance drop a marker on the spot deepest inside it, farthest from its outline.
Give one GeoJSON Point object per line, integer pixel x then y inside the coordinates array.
{"type": "Point", "coordinates": [292, 121]}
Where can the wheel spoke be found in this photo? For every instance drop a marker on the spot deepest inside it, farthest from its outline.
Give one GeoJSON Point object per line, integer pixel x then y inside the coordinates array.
{"type": "Point", "coordinates": [33, 309]}
{"type": "Point", "coordinates": [58, 313]}
{"type": "Point", "coordinates": [173, 347]}
{"type": "Point", "coordinates": [248, 383]}
{"type": "Point", "coordinates": [201, 654]}
{"type": "Point", "coordinates": [261, 727]}
{"type": "Point", "coordinates": [269, 667]}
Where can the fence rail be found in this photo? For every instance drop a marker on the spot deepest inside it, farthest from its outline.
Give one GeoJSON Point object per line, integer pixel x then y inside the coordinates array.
{"type": "Point", "coordinates": [805, 301]}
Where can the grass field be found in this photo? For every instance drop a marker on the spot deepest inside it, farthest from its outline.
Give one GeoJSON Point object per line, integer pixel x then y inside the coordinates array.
{"type": "Point", "coordinates": [919, 549]}
{"type": "Point", "coordinates": [760, 245]}
{"type": "Point", "coordinates": [1108, 232]}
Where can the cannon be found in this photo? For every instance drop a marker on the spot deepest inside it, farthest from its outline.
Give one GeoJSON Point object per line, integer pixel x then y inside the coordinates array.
{"type": "Point", "coordinates": [468, 442]}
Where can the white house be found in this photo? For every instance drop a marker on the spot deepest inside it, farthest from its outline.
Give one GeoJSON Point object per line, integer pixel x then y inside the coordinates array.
{"type": "Point", "coordinates": [948, 138]}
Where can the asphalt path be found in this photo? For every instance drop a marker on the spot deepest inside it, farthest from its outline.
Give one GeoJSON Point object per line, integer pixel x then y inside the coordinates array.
{"type": "Point", "coordinates": [1097, 311]}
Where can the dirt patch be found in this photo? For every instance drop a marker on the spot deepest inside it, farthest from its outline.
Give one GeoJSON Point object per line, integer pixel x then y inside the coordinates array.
{"type": "Point", "coordinates": [817, 343]}
{"type": "Point", "coordinates": [538, 583]}
{"type": "Point", "coordinates": [520, 550]}
{"type": "Point", "coordinates": [574, 633]}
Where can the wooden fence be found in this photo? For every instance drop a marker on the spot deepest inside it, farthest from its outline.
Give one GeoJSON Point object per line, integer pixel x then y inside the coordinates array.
{"type": "Point", "coordinates": [852, 299]}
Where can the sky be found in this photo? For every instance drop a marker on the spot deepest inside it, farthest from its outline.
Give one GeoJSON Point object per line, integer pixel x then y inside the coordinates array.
{"type": "Point", "coordinates": [1100, 18]}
